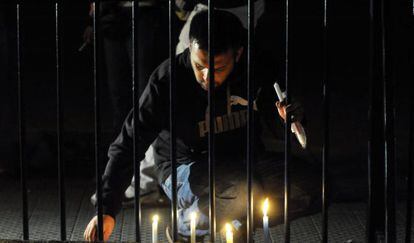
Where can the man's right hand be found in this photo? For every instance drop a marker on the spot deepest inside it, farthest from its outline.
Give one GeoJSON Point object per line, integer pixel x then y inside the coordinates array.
{"type": "Point", "coordinates": [90, 233]}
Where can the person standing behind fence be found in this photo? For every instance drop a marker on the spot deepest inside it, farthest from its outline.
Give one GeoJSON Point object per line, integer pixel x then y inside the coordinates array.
{"type": "Point", "coordinates": [115, 25]}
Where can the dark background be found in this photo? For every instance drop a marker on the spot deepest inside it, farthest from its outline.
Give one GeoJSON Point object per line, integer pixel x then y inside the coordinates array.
{"type": "Point", "coordinates": [348, 76]}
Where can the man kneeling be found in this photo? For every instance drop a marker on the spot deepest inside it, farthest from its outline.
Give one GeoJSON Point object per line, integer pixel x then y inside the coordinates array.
{"type": "Point", "coordinates": [192, 119]}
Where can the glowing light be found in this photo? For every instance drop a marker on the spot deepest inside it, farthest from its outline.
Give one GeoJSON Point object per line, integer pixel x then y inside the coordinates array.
{"type": "Point", "coordinates": [155, 220]}
{"type": "Point", "coordinates": [228, 227]}
{"type": "Point", "coordinates": [229, 233]}
{"type": "Point", "coordinates": [265, 206]}
{"type": "Point", "coordinates": [266, 230]}
{"type": "Point", "coordinates": [193, 217]}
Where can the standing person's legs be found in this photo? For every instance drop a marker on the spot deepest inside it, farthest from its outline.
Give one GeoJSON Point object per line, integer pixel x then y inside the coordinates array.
{"type": "Point", "coordinates": [152, 41]}
{"type": "Point", "coordinates": [119, 79]}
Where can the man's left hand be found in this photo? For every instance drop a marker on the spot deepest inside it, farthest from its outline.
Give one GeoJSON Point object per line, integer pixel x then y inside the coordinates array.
{"type": "Point", "coordinates": [295, 110]}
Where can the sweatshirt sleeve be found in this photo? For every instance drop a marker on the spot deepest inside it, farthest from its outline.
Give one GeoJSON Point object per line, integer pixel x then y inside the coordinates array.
{"type": "Point", "coordinates": [152, 118]}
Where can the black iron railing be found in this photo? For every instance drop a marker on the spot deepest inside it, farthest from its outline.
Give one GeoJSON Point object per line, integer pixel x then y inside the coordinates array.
{"type": "Point", "coordinates": [381, 162]}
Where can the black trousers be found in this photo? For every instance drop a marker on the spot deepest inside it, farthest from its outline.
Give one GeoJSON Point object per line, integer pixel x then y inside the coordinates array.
{"type": "Point", "coordinates": [231, 190]}
{"type": "Point", "coordinates": [152, 44]}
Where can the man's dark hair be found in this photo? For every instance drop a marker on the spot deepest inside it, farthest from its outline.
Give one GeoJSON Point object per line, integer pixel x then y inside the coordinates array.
{"type": "Point", "coordinates": [228, 31]}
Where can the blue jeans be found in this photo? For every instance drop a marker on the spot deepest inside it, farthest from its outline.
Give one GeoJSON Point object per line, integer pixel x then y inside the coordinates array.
{"type": "Point", "coordinates": [193, 195]}
{"type": "Point", "coordinates": [187, 202]}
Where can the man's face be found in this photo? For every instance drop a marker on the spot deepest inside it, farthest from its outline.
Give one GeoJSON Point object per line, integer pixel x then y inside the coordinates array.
{"type": "Point", "coordinates": [223, 65]}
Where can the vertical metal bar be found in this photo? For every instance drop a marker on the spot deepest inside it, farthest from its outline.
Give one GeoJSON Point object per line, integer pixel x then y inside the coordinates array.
{"type": "Point", "coordinates": [135, 97]}
{"type": "Point", "coordinates": [61, 166]}
{"type": "Point", "coordinates": [389, 168]}
{"type": "Point", "coordinates": [370, 230]}
{"type": "Point", "coordinates": [173, 140]}
{"type": "Point", "coordinates": [409, 206]}
{"type": "Point", "coordinates": [211, 123]}
{"type": "Point", "coordinates": [389, 144]}
{"type": "Point", "coordinates": [410, 172]}
{"type": "Point", "coordinates": [22, 130]}
{"type": "Point", "coordinates": [97, 117]}
{"type": "Point", "coordinates": [325, 148]}
{"type": "Point", "coordinates": [287, 131]}
{"type": "Point", "coordinates": [250, 118]}
{"type": "Point", "coordinates": [375, 210]}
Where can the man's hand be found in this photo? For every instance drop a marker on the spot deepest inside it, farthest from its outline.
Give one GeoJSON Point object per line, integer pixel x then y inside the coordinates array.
{"type": "Point", "coordinates": [295, 110]}
{"type": "Point", "coordinates": [91, 231]}
{"type": "Point", "coordinates": [91, 9]}
{"type": "Point", "coordinates": [88, 34]}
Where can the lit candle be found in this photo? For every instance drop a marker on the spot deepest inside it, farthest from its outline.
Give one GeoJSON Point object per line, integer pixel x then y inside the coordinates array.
{"type": "Point", "coordinates": [193, 218]}
{"type": "Point", "coordinates": [266, 231]}
{"type": "Point", "coordinates": [229, 234]}
{"type": "Point", "coordinates": [155, 219]}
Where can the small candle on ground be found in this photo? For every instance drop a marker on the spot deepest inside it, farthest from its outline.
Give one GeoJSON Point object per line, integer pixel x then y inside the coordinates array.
{"type": "Point", "coordinates": [155, 220]}
{"type": "Point", "coordinates": [193, 218]}
{"type": "Point", "coordinates": [266, 231]}
{"type": "Point", "coordinates": [229, 233]}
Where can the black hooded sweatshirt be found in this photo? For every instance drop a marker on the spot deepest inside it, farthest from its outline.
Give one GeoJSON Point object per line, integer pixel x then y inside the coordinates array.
{"type": "Point", "coordinates": [191, 114]}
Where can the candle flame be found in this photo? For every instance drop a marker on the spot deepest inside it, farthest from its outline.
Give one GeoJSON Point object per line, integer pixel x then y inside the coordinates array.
{"type": "Point", "coordinates": [228, 227]}
{"type": "Point", "coordinates": [155, 218]}
{"type": "Point", "coordinates": [265, 206]}
{"type": "Point", "coordinates": [193, 216]}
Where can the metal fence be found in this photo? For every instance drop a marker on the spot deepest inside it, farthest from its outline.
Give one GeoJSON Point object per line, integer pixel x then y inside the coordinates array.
{"type": "Point", "coordinates": [381, 178]}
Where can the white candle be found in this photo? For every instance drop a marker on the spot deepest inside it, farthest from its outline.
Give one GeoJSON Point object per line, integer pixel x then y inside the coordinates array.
{"type": "Point", "coordinates": [155, 219]}
{"type": "Point", "coordinates": [229, 234]}
{"type": "Point", "coordinates": [281, 95]}
{"type": "Point", "coordinates": [266, 231]}
{"type": "Point", "coordinates": [193, 218]}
